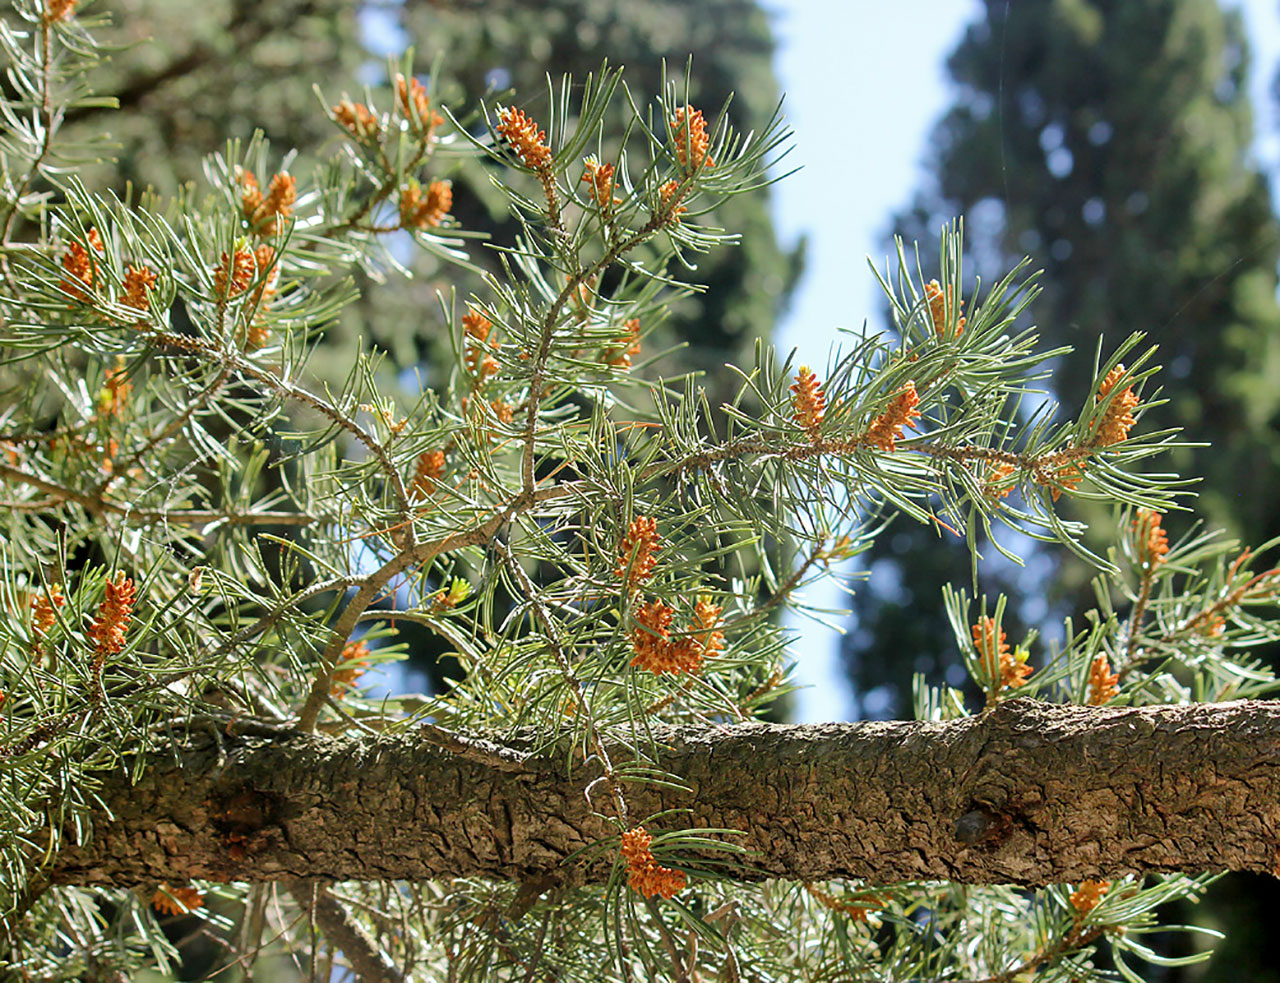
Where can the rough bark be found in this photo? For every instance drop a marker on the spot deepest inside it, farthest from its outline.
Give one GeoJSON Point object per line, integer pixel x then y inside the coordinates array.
{"type": "Point", "coordinates": [1029, 793]}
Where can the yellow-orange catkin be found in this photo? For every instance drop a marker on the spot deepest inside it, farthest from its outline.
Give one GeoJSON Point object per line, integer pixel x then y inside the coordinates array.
{"type": "Point", "coordinates": [80, 265]}
{"type": "Point", "coordinates": [115, 613]}
{"type": "Point", "coordinates": [1117, 419]}
{"type": "Point", "coordinates": [234, 273]}
{"type": "Point", "coordinates": [645, 875]}
{"type": "Point", "coordinates": [476, 325]}
{"type": "Point", "coordinates": [351, 666]}
{"type": "Point", "coordinates": [1087, 896]}
{"type": "Point", "coordinates": [706, 616]}
{"type": "Point", "coordinates": [59, 10]}
{"type": "Point", "coordinates": [657, 652]}
{"type": "Point", "coordinates": [503, 410]}
{"type": "Point", "coordinates": [600, 177]}
{"type": "Point", "coordinates": [356, 119]}
{"type": "Point", "coordinates": [522, 133]}
{"type": "Point", "coordinates": [251, 199]}
{"type": "Point", "coordinates": [1010, 670]}
{"type": "Point", "coordinates": [138, 282]}
{"type": "Point", "coordinates": [886, 429]}
{"type": "Point", "coordinates": [478, 356]}
{"type": "Point", "coordinates": [627, 347]}
{"type": "Point", "coordinates": [637, 553]}
{"type": "Point", "coordinates": [44, 606]}
{"type": "Point", "coordinates": [1103, 683]}
{"type": "Point", "coordinates": [268, 271]}
{"type": "Point", "coordinates": [995, 480]}
{"type": "Point", "coordinates": [264, 212]}
{"type": "Point", "coordinates": [425, 211]}
{"type": "Point", "coordinates": [116, 389]}
{"type": "Point", "coordinates": [689, 131]}
{"type": "Point", "coordinates": [1064, 478]}
{"type": "Point", "coordinates": [671, 207]}
{"type": "Point", "coordinates": [176, 900]}
{"type": "Point", "coordinates": [808, 401]}
{"type": "Point", "coordinates": [429, 468]}
{"type": "Point", "coordinates": [940, 308]}
{"type": "Point", "coordinates": [1151, 541]}
{"type": "Point", "coordinates": [413, 99]}
{"type": "Point", "coordinates": [651, 635]}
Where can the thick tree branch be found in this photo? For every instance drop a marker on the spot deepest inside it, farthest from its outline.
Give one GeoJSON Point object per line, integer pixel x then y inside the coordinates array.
{"type": "Point", "coordinates": [1029, 793]}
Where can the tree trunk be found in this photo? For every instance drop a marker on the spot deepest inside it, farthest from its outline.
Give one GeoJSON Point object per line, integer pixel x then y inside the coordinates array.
{"type": "Point", "coordinates": [1030, 793]}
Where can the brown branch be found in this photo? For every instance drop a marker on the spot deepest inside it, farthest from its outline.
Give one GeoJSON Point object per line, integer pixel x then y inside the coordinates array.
{"type": "Point", "coordinates": [60, 495]}
{"type": "Point", "coordinates": [1041, 468]}
{"type": "Point", "coordinates": [370, 963]}
{"type": "Point", "coordinates": [1223, 604]}
{"type": "Point", "coordinates": [372, 586]}
{"type": "Point", "coordinates": [232, 361]}
{"type": "Point", "coordinates": [1030, 793]}
{"type": "Point", "coordinates": [549, 322]}
{"type": "Point", "coordinates": [1131, 650]}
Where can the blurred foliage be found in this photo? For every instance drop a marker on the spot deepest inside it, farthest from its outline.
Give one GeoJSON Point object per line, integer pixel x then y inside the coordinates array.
{"type": "Point", "coordinates": [1110, 143]}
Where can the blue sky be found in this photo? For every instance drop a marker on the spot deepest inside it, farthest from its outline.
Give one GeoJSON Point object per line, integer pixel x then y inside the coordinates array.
{"type": "Point", "coordinates": [865, 82]}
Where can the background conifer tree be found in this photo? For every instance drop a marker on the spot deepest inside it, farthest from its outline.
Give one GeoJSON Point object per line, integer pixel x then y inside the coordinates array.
{"type": "Point", "coordinates": [1110, 142]}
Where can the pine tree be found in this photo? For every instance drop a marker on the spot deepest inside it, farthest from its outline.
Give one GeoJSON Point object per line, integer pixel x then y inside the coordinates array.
{"type": "Point", "coordinates": [181, 98]}
{"type": "Point", "coordinates": [236, 68]}
{"type": "Point", "coordinates": [188, 745]}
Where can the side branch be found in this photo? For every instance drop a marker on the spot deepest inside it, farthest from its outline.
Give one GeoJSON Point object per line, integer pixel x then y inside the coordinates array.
{"type": "Point", "coordinates": [1030, 793]}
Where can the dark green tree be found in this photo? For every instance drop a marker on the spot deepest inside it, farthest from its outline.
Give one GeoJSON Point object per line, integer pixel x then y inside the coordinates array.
{"type": "Point", "coordinates": [1110, 142]}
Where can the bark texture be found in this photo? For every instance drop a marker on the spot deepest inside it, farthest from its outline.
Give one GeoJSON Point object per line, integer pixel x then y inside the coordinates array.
{"type": "Point", "coordinates": [1029, 793]}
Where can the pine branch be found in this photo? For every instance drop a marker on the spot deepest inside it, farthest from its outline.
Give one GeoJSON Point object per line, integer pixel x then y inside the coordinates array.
{"type": "Point", "coordinates": [343, 931]}
{"type": "Point", "coordinates": [1029, 793]}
